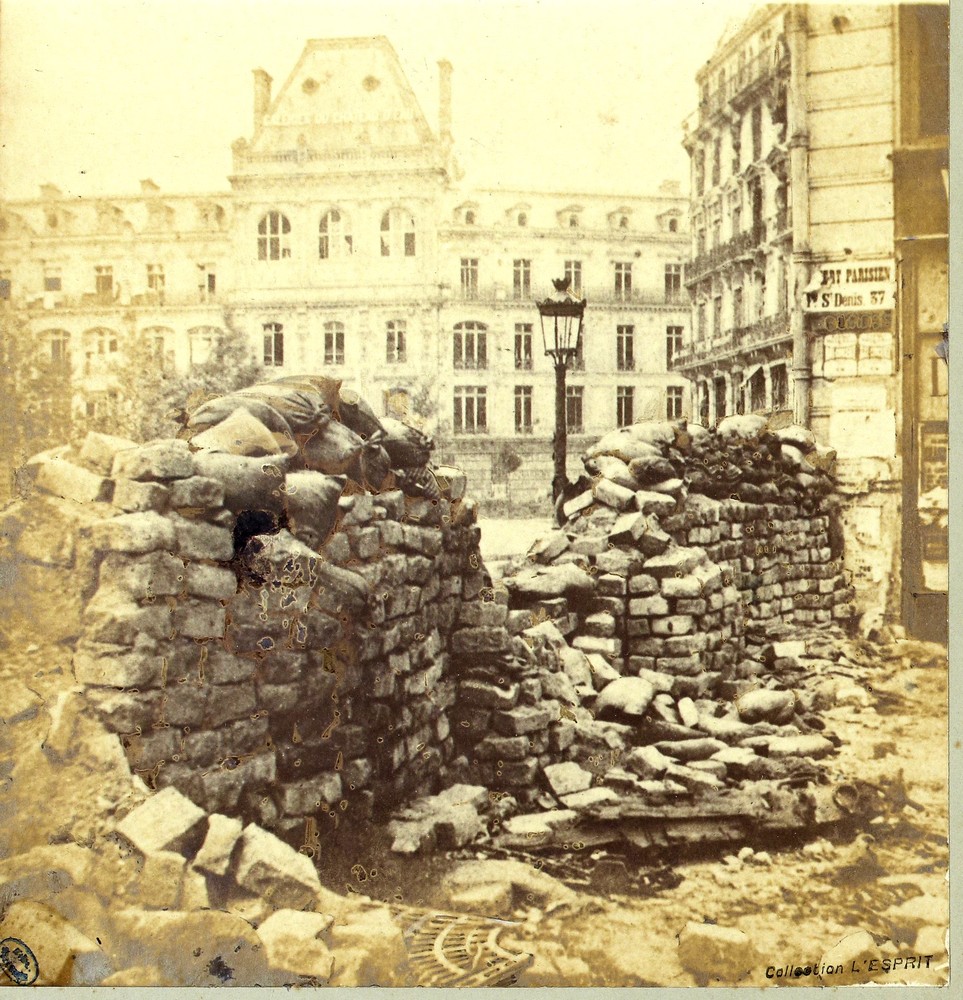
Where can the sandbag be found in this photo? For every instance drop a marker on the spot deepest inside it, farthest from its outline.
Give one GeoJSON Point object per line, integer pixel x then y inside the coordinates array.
{"type": "Point", "coordinates": [651, 469]}
{"type": "Point", "coordinates": [621, 444]}
{"type": "Point", "coordinates": [304, 409]}
{"type": "Point", "coordinates": [407, 446]}
{"type": "Point", "coordinates": [311, 501]}
{"type": "Point", "coordinates": [375, 467]}
{"type": "Point", "coordinates": [334, 450]}
{"type": "Point", "coordinates": [240, 433]}
{"type": "Point", "coordinates": [610, 467]}
{"type": "Point", "coordinates": [328, 388]}
{"type": "Point", "coordinates": [355, 413]}
{"type": "Point", "coordinates": [212, 412]}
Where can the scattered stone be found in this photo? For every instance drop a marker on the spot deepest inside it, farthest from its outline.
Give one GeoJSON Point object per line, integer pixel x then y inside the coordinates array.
{"type": "Point", "coordinates": [567, 777]}
{"type": "Point", "coordinates": [293, 941]}
{"type": "Point", "coordinates": [712, 952]}
{"type": "Point", "coordinates": [223, 833]}
{"type": "Point", "coordinates": [766, 705]}
{"type": "Point", "coordinates": [71, 482]}
{"type": "Point", "coordinates": [377, 947]}
{"type": "Point", "coordinates": [648, 762]}
{"type": "Point", "coordinates": [270, 868]}
{"type": "Point", "coordinates": [167, 821]}
{"type": "Point", "coordinates": [628, 695]}
{"type": "Point", "coordinates": [591, 797]}
{"type": "Point", "coordinates": [686, 750]}
{"type": "Point", "coordinates": [809, 745]}
{"type": "Point", "coordinates": [853, 953]}
{"type": "Point", "coordinates": [550, 581]}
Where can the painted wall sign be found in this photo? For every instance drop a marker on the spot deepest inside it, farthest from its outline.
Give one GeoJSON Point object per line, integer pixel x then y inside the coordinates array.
{"type": "Point", "coordinates": [849, 322]}
{"type": "Point", "coordinates": [859, 285]}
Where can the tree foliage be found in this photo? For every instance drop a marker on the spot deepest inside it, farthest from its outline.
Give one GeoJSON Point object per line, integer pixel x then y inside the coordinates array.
{"type": "Point", "coordinates": [36, 398]}
{"type": "Point", "coordinates": [149, 398]}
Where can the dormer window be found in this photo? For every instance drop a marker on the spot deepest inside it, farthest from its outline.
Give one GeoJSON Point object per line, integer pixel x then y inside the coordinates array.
{"type": "Point", "coordinates": [522, 219]}
{"type": "Point", "coordinates": [623, 222]}
{"type": "Point", "coordinates": [469, 218]}
{"type": "Point", "coordinates": [573, 221]}
{"type": "Point", "coordinates": [673, 225]}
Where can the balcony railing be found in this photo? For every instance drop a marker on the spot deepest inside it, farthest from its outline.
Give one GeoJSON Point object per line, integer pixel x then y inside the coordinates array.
{"type": "Point", "coordinates": [717, 256]}
{"type": "Point", "coordinates": [106, 300]}
{"type": "Point", "coordinates": [735, 340]}
{"type": "Point", "coordinates": [757, 70]}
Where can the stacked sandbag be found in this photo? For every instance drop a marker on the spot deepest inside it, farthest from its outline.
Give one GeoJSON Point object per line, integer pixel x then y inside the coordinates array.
{"type": "Point", "coordinates": [310, 423]}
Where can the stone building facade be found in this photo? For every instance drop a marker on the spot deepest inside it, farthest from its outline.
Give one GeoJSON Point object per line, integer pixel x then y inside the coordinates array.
{"type": "Point", "coordinates": [350, 242]}
{"type": "Point", "coordinates": [798, 149]}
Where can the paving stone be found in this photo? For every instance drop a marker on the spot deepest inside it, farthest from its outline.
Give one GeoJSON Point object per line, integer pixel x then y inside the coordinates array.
{"type": "Point", "coordinates": [167, 821]}
{"type": "Point", "coordinates": [590, 798]}
{"type": "Point", "coordinates": [568, 777]}
{"type": "Point", "coordinates": [270, 868]}
{"type": "Point", "coordinates": [138, 533]}
{"type": "Point", "coordinates": [167, 459]}
{"type": "Point", "coordinates": [294, 943]}
{"type": "Point", "coordinates": [629, 695]}
{"type": "Point", "coordinates": [222, 836]}
{"type": "Point", "coordinates": [215, 582]}
{"type": "Point", "coordinates": [199, 619]}
{"type": "Point", "coordinates": [381, 958]}
{"type": "Point", "coordinates": [108, 665]}
{"type": "Point", "coordinates": [71, 482]}
{"type": "Point", "coordinates": [613, 494]}
{"type": "Point", "coordinates": [98, 451]}
{"type": "Point", "coordinates": [63, 955]}
{"type": "Point", "coordinates": [809, 745]}
{"type": "Point", "coordinates": [713, 952]}
{"type": "Point", "coordinates": [523, 720]}
{"type": "Point", "coordinates": [198, 540]}
{"type": "Point", "coordinates": [688, 750]}
{"type": "Point", "coordinates": [481, 694]}
{"type": "Point", "coordinates": [647, 762]}
{"type": "Point", "coordinates": [764, 704]}
{"type": "Point", "coordinates": [156, 574]}
{"type": "Point", "coordinates": [196, 492]}
{"type": "Point", "coordinates": [677, 560]}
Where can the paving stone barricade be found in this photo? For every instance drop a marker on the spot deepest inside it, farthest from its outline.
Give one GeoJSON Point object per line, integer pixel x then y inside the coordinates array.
{"type": "Point", "coordinates": [272, 640]}
{"type": "Point", "coordinates": [656, 628]}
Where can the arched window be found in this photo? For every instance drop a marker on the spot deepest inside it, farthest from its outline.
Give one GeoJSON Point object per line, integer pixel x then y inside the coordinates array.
{"type": "Point", "coordinates": [623, 222]}
{"type": "Point", "coordinates": [334, 237]}
{"type": "Point", "coordinates": [334, 343]}
{"type": "Point", "coordinates": [573, 221]}
{"type": "Point", "coordinates": [469, 218]}
{"type": "Point", "coordinates": [397, 234]}
{"type": "Point", "coordinates": [201, 340]}
{"type": "Point", "coordinates": [470, 345]}
{"type": "Point", "coordinates": [673, 225]}
{"type": "Point", "coordinates": [271, 233]}
{"type": "Point", "coordinates": [99, 344]}
{"type": "Point", "coordinates": [396, 337]}
{"type": "Point", "coordinates": [273, 345]}
{"type": "Point", "coordinates": [522, 219]}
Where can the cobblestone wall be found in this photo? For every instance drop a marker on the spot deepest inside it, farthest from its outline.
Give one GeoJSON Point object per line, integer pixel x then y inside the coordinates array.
{"type": "Point", "coordinates": [258, 671]}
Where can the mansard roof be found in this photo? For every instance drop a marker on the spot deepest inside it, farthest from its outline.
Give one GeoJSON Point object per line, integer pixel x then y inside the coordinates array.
{"type": "Point", "coordinates": [344, 93]}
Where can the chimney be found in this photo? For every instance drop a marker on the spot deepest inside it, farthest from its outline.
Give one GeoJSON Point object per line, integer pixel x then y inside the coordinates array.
{"type": "Point", "coordinates": [50, 192]}
{"type": "Point", "coordinates": [262, 96]}
{"type": "Point", "coordinates": [444, 99]}
{"type": "Point", "coordinates": [147, 186]}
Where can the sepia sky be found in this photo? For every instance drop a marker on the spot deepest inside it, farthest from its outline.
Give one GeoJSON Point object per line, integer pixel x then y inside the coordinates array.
{"type": "Point", "coordinates": [98, 94]}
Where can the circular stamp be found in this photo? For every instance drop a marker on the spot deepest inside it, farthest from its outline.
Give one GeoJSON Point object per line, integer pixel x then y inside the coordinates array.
{"type": "Point", "coordinates": [18, 961]}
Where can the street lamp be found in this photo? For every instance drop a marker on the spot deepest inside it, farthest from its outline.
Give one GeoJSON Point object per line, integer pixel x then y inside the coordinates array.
{"type": "Point", "coordinates": [562, 337]}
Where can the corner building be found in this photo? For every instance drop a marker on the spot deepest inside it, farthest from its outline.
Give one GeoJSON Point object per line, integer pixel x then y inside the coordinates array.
{"type": "Point", "coordinates": [349, 242]}
{"type": "Point", "coordinates": [818, 148]}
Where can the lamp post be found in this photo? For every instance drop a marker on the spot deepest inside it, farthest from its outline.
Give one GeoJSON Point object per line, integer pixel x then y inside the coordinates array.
{"type": "Point", "coordinates": [562, 337]}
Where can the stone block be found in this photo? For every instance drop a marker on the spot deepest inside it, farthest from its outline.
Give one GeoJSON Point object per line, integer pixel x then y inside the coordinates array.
{"type": "Point", "coordinates": [502, 747]}
{"type": "Point", "coordinates": [641, 584]}
{"type": "Point", "coordinates": [197, 492]}
{"type": "Point", "coordinates": [167, 821]}
{"type": "Point", "coordinates": [214, 582]}
{"type": "Point", "coordinates": [199, 619]}
{"type": "Point", "coordinates": [220, 839]}
{"type": "Point", "coordinates": [647, 762]}
{"type": "Point", "coordinates": [547, 548]}
{"type": "Point", "coordinates": [474, 641]}
{"type": "Point", "coordinates": [130, 495]}
{"type": "Point", "coordinates": [629, 528]}
{"type": "Point", "coordinates": [673, 625]}
{"type": "Point", "coordinates": [679, 560]}
{"type": "Point", "coordinates": [559, 687]}
{"type": "Point", "coordinates": [648, 607]}
{"type": "Point", "coordinates": [108, 665]}
{"type": "Point", "coordinates": [122, 622]}
{"type": "Point", "coordinates": [522, 720]}
{"type": "Point", "coordinates": [808, 745]}
{"type": "Point", "coordinates": [71, 482]}
{"type": "Point", "coordinates": [568, 777]}
{"type": "Point", "coordinates": [577, 504]}
{"type": "Point", "coordinates": [156, 574]}
{"type": "Point", "coordinates": [98, 451]}
{"type": "Point", "coordinates": [612, 494]}
{"type": "Point", "coordinates": [689, 750]}
{"type": "Point", "coordinates": [649, 502]}
{"type": "Point", "coordinates": [304, 798]}
{"type": "Point", "coordinates": [590, 798]}
{"type": "Point", "coordinates": [198, 540]}
{"type": "Point", "coordinates": [294, 943]}
{"type": "Point", "coordinates": [482, 695]}
{"type": "Point", "coordinates": [766, 705]}
{"type": "Point", "coordinates": [609, 647]}
{"type": "Point", "coordinates": [134, 534]}
{"type": "Point", "coordinates": [163, 459]}
{"type": "Point", "coordinates": [619, 562]}
{"type": "Point", "coordinates": [270, 868]}
{"type": "Point", "coordinates": [370, 949]}
{"type": "Point", "coordinates": [62, 954]}
{"type": "Point", "coordinates": [715, 953]}
{"type": "Point", "coordinates": [686, 586]}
